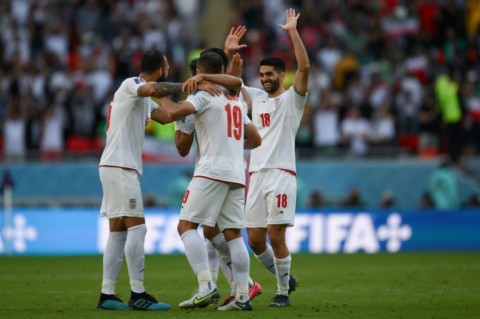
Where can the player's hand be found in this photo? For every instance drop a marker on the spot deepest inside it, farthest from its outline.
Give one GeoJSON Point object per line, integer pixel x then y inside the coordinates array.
{"type": "Point", "coordinates": [236, 66]}
{"type": "Point", "coordinates": [232, 42]}
{"type": "Point", "coordinates": [291, 23]}
{"type": "Point", "coordinates": [210, 88]}
{"type": "Point", "coordinates": [192, 83]}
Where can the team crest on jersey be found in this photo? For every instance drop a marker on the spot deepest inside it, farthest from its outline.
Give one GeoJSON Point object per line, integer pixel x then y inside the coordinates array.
{"type": "Point", "coordinates": [132, 203]}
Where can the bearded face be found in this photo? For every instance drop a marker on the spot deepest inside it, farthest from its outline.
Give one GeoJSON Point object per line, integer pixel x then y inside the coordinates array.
{"type": "Point", "coordinates": [270, 79]}
{"type": "Point", "coordinates": [164, 69]}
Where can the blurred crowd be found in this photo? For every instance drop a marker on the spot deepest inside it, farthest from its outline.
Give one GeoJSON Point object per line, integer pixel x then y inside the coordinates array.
{"type": "Point", "coordinates": [386, 75]}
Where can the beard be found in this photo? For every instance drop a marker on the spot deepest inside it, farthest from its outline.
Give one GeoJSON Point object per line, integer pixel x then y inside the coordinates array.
{"type": "Point", "coordinates": [163, 77]}
{"type": "Point", "coordinates": [274, 85]}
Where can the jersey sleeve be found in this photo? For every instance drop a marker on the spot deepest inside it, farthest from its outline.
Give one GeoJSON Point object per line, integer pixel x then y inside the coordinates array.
{"type": "Point", "coordinates": [254, 93]}
{"type": "Point", "coordinates": [132, 84]}
{"type": "Point", "coordinates": [153, 106]}
{"type": "Point", "coordinates": [199, 100]}
{"type": "Point", "coordinates": [298, 100]}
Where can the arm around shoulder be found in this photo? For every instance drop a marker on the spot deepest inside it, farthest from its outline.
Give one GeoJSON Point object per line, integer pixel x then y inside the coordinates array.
{"type": "Point", "coordinates": [176, 110]}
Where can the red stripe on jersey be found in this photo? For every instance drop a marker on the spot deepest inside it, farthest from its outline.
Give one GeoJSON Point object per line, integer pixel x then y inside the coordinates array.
{"type": "Point", "coordinates": [282, 169]}
{"type": "Point", "coordinates": [128, 168]}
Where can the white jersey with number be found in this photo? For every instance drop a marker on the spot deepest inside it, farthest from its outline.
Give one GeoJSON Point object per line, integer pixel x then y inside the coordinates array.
{"type": "Point", "coordinates": [219, 129]}
{"type": "Point", "coordinates": [127, 116]}
{"type": "Point", "coordinates": [277, 120]}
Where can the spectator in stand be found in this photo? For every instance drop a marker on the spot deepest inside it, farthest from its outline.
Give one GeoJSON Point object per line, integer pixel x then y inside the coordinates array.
{"type": "Point", "coordinates": [471, 98]}
{"type": "Point", "coordinates": [450, 109]}
{"type": "Point", "coordinates": [353, 199]}
{"type": "Point", "coordinates": [355, 132]}
{"type": "Point", "coordinates": [408, 101]}
{"type": "Point", "coordinates": [51, 132]}
{"type": "Point", "coordinates": [326, 123]}
{"type": "Point", "coordinates": [316, 199]}
{"type": "Point", "coordinates": [426, 201]}
{"type": "Point", "coordinates": [429, 126]}
{"type": "Point", "coordinates": [382, 127]}
{"type": "Point", "coordinates": [14, 130]}
{"type": "Point", "coordinates": [387, 201]}
{"type": "Point", "coordinates": [472, 202]}
{"type": "Point", "coordinates": [443, 187]}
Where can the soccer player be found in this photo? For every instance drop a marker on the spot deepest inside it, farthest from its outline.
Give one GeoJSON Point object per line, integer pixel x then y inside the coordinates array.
{"type": "Point", "coordinates": [271, 199]}
{"type": "Point", "coordinates": [217, 247]}
{"type": "Point", "coordinates": [215, 195]}
{"type": "Point", "coordinates": [120, 170]}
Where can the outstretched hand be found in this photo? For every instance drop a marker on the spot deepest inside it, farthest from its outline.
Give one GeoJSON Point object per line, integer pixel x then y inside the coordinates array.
{"type": "Point", "coordinates": [232, 42]}
{"type": "Point", "coordinates": [291, 23]}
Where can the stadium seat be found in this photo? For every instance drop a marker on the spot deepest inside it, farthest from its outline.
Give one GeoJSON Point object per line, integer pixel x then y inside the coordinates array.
{"type": "Point", "coordinates": [83, 145]}
{"type": "Point", "coordinates": [408, 142]}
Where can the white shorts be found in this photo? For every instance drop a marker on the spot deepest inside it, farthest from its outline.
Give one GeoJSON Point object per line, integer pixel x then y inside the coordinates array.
{"type": "Point", "coordinates": [271, 199]}
{"type": "Point", "coordinates": [122, 195]}
{"type": "Point", "coordinates": [209, 202]}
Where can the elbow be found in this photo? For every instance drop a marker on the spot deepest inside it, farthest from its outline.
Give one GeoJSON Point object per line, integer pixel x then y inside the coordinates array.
{"type": "Point", "coordinates": [172, 115]}
{"type": "Point", "coordinates": [304, 67]}
{"type": "Point", "coordinates": [183, 153]}
{"type": "Point", "coordinates": [165, 120]}
{"type": "Point", "coordinates": [256, 142]}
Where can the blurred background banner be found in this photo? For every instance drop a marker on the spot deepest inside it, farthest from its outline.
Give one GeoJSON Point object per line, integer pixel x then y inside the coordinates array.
{"type": "Point", "coordinates": [80, 231]}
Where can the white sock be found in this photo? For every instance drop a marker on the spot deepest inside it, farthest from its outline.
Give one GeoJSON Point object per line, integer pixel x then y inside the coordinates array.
{"type": "Point", "coordinates": [266, 259]}
{"type": "Point", "coordinates": [240, 267]}
{"type": "Point", "coordinates": [221, 246]}
{"type": "Point", "coordinates": [282, 267]}
{"type": "Point", "coordinates": [197, 256]}
{"type": "Point", "coordinates": [135, 255]}
{"type": "Point", "coordinates": [113, 260]}
{"type": "Point", "coordinates": [213, 260]}
{"type": "Point", "coordinates": [227, 272]}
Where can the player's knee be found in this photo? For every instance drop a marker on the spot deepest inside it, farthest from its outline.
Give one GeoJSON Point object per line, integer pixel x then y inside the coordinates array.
{"type": "Point", "coordinates": [210, 232]}
{"type": "Point", "coordinates": [184, 226]}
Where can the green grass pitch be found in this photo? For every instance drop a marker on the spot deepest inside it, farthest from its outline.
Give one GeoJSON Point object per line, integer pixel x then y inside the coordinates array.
{"type": "Point", "coordinates": [405, 285]}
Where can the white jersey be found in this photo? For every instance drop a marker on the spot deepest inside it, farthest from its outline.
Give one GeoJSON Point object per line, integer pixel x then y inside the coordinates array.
{"type": "Point", "coordinates": [127, 116]}
{"type": "Point", "coordinates": [219, 130]}
{"type": "Point", "coordinates": [277, 120]}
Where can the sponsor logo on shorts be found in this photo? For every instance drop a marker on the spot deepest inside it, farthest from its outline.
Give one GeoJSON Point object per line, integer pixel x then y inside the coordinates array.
{"type": "Point", "coordinates": [132, 203]}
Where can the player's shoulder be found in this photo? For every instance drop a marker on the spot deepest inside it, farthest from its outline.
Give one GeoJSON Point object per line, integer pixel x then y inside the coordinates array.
{"type": "Point", "coordinates": [134, 80]}
{"type": "Point", "coordinates": [256, 93]}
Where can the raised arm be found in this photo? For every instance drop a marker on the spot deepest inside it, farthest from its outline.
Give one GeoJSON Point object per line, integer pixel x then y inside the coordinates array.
{"type": "Point", "coordinates": [232, 42]}
{"type": "Point", "coordinates": [303, 65]}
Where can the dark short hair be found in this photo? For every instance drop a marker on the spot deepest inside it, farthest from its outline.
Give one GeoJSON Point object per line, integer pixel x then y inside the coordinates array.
{"type": "Point", "coordinates": [220, 52]}
{"type": "Point", "coordinates": [211, 63]}
{"type": "Point", "coordinates": [274, 61]}
{"type": "Point", "coordinates": [193, 66]}
{"type": "Point", "coordinates": [151, 61]}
